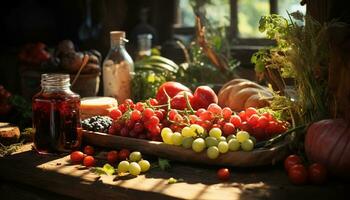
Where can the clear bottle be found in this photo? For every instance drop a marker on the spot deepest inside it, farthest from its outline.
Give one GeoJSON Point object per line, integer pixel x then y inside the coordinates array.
{"type": "Point", "coordinates": [144, 45]}
{"type": "Point", "coordinates": [56, 115]}
{"type": "Point", "coordinates": [118, 69]}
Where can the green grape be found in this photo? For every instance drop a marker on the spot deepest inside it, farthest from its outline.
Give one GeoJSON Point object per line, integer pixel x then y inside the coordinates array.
{"type": "Point", "coordinates": [197, 129]}
{"type": "Point", "coordinates": [247, 145]}
{"type": "Point", "coordinates": [134, 169]}
{"type": "Point", "coordinates": [188, 132]}
{"type": "Point", "coordinates": [215, 132]}
{"type": "Point", "coordinates": [223, 147]}
{"type": "Point", "coordinates": [212, 152]}
{"type": "Point", "coordinates": [234, 145]}
{"type": "Point", "coordinates": [242, 136]}
{"type": "Point", "coordinates": [230, 137]}
{"type": "Point", "coordinates": [123, 166]}
{"type": "Point", "coordinates": [187, 142]}
{"type": "Point", "coordinates": [211, 141]}
{"type": "Point", "coordinates": [222, 138]}
{"type": "Point", "coordinates": [204, 134]}
{"type": "Point", "coordinates": [166, 135]}
{"type": "Point", "coordinates": [145, 165]}
{"type": "Point", "coordinates": [177, 138]}
{"type": "Point", "coordinates": [253, 139]}
{"type": "Point", "coordinates": [135, 156]}
{"type": "Point", "coordinates": [198, 145]}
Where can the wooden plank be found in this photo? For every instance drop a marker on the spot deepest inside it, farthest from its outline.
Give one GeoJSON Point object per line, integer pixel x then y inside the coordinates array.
{"type": "Point", "coordinates": [258, 157]}
{"type": "Point", "coordinates": [56, 174]}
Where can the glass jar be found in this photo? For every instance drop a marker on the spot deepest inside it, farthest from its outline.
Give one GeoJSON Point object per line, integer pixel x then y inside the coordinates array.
{"type": "Point", "coordinates": [56, 115]}
{"type": "Point", "coordinates": [144, 45]}
{"type": "Point", "coordinates": [118, 69]}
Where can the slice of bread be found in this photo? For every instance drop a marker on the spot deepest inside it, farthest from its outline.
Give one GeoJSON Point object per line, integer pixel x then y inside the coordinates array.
{"type": "Point", "coordinates": [92, 106]}
{"type": "Point", "coordinates": [9, 134]}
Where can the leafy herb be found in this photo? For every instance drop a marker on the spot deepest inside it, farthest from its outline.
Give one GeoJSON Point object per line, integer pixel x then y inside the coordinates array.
{"type": "Point", "coordinates": [8, 150]}
{"type": "Point", "coordinates": [107, 169]}
{"type": "Point", "coordinates": [163, 164]}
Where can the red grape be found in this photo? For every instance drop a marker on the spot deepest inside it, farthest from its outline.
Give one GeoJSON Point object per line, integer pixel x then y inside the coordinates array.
{"type": "Point", "coordinates": [115, 114]}
{"type": "Point", "coordinates": [172, 114]}
{"type": "Point", "coordinates": [226, 113]}
{"type": "Point", "coordinates": [130, 124]}
{"type": "Point", "coordinates": [123, 108]}
{"type": "Point", "coordinates": [153, 102]}
{"type": "Point", "coordinates": [135, 115]}
{"type": "Point", "coordinates": [199, 111]}
{"type": "Point", "coordinates": [124, 132]}
{"type": "Point", "coordinates": [139, 106]}
{"type": "Point", "coordinates": [153, 121]}
{"type": "Point", "coordinates": [215, 109]}
{"type": "Point", "coordinates": [236, 120]}
{"type": "Point", "coordinates": [250, 111]}
{"type": "Point", "coordinates": [159, 114]}
{"type": "Point", "coordinates": [242, 115]}
{"type": "Point", "coordinates": [228, 129]}
{"type": "Point", "coordinates": [253, 120]}
{"type": "Point", "coordinates": [138, 127]}
{"type": "Point", "coordinates": [148, 113]}
{"type": "Point", "coordinates": [206, 115]}
{"type": "Point", "coordinates": [263, 121]}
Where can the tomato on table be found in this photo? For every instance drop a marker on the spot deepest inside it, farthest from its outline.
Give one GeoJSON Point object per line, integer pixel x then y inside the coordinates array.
{"type": "Point", "coordinates": [223, 174]}
{"type": "Point", "coordinates": [298, 174]}
{"type": "Point", "coordinates": [290, 161]}
{"type": "Point", "coordinates": [317, 173]}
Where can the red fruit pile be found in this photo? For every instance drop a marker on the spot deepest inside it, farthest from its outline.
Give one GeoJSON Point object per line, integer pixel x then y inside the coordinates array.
{"type": "Point", "coordinates": [140, 120]}
{"type": "Point", "coordinates": [145, 120]}
{"type": "Point", "coordinates": [298, 174]}
{"type": "Point", "coordinates": [262, 126]}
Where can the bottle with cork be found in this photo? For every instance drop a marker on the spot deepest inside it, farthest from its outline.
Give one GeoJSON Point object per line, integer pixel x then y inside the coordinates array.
{"type": "Point", "coordinates": [118, 68]}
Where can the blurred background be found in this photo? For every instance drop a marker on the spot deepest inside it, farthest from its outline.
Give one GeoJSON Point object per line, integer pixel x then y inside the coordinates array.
{"type": "Point", "coordinates": [87, 24]}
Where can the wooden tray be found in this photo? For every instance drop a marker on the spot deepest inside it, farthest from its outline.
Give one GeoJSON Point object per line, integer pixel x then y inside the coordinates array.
{"type": "Point", "coordinates": [257, 157]}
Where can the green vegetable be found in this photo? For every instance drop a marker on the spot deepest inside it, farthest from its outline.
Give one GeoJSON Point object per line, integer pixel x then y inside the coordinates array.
{"type": "Point", "coordinates": [107, 169]}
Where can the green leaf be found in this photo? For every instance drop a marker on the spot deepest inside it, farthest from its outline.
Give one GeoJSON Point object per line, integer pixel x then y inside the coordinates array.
{"type": "Point", "coordinates": [164, 164]}
{"type": "Point", "coordinates": [108, 169]}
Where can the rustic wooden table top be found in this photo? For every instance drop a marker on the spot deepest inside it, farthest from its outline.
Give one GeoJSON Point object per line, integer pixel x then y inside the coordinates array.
{"type": "Point", "coordinates": [53, 177]}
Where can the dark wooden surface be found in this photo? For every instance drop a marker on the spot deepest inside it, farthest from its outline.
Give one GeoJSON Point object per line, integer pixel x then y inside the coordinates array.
{"type": "Point", "coordinates": [26, 175]}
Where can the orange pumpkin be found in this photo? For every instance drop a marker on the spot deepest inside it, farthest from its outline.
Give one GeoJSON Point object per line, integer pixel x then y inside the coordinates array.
{"type": "Point", "coordinates": [239, 94]}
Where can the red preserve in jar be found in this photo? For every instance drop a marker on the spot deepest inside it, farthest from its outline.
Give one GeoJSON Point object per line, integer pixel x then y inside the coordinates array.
{"type": "Point", "coordinates": [56, 117]}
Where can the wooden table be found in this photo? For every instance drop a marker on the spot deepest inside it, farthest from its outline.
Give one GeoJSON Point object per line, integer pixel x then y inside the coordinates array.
{"type": "Point", "coordinates": [53, 177]}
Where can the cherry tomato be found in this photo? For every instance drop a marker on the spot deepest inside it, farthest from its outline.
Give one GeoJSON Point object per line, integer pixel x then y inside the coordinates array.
{"type": "Point", "coordinates": [89, 161]}
{"type": "Point", "coordinates": [112, 157]}
{"type": "Point", "coordinates": [123, 154]}
{"type": "Point", "coordinates": [89, 150]}
{"type": "Point", "coordinates": [290, 161]}
{"type": "Point", "coordinates": [317, 173]}
{"type": "Point", "coordinates": [297, 174]}
{"type": "Point", "coordinates": [223, 174]}
{"type": "Point", "coordinates": [77, 156]}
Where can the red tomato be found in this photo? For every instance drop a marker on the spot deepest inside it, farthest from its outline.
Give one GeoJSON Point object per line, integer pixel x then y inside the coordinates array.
{"type": "Point", "coordinates": [223, 174]}
{"type": "Point", "coordinates": [172, 89]}
{"type": "Point", "coordinates": [317, 173]}
{"type": "Point", "coordinates": [297, 174]}
{"type": "Point", "coordinates": [179, 100]}
{"type": "Point", "coordinates": [89, 161]}
{"type": "Point", "coordinates": [89, 150]}
{"type": "Point", "coordinates": [112, 157]}
{"type": "Point", "coordinates": [77, 156]}
{"type": "Point", "coordinates": [123, 154]}
{"type": "Point", "coordinates": [290, 161]}
{"type": "Point", "coordinates": [203, 97]}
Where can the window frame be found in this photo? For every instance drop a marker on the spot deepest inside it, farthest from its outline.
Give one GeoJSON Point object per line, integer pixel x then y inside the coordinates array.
{"type": "Point", "coordinates": [233, 28]}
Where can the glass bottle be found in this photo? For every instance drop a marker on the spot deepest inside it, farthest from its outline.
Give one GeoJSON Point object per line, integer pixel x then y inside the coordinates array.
{"type": "Point", "coordinates": [56, 115]}
{"type": "Point", "coordinates": [144, 45]}
{"type": "Point", "coordinates": [118, 69]}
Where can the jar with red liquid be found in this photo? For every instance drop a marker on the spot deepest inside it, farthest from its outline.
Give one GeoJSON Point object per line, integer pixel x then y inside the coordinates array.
{"type": "Point", "coordinates": [56, 115]}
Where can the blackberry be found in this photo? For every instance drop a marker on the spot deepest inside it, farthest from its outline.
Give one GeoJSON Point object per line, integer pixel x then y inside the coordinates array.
{"type": "Point", "coordinates": [97, 123]}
